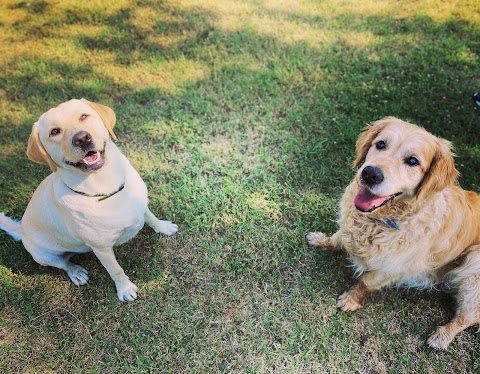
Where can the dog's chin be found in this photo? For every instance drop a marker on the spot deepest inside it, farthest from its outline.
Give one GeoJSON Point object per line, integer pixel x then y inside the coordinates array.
{"type": "Point", "coordinates": [367, 202]}
{"type": "Point", "coordinates": [91, 161]}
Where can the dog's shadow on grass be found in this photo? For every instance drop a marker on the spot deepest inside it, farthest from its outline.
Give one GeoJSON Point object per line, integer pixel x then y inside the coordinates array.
{"type": "Point", "coordinates": [139, 258]}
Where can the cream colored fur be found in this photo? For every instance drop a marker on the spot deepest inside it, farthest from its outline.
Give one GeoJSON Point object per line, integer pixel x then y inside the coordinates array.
{"type": "Point", "coordinates": [438, 236]}
{"type": "Point", "coordinates": [59, 221]}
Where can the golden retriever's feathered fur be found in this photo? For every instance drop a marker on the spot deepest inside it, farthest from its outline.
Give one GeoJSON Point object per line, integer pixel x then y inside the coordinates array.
{"type": "Point", "coordinates": [425, 229]}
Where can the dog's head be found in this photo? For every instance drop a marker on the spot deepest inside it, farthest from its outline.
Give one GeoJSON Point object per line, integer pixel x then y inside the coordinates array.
{"type": "Point", "coordinates": [72, 135]}
{"type": "Point", "coordinates": [400, 161]}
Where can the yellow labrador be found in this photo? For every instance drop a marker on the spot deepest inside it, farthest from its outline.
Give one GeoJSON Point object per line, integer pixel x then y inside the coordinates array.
{"type": "Point", "coordinates": [93, 200]}
{"type": "Point", "coordinates": [404, 222]}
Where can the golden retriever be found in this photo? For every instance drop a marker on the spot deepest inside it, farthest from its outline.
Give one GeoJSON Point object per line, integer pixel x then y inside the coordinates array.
{"type": "Point", "coordinates": [93, 200]}
{"type": "Point", "coordinates": [404, 222]}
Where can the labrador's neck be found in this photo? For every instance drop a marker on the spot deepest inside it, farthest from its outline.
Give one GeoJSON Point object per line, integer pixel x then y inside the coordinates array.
{"type": "Point", "coordinates": [104, 181]}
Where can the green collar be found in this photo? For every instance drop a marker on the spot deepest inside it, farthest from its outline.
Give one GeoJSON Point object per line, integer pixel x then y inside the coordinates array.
{"type": "Point", "coordinates": [101, 196]}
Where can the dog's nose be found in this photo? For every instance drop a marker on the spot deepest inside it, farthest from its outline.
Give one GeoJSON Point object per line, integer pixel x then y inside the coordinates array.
{"type": "Point", "coordinates": [372, 175]}
{"type": "Point", "coordinates": [82, 139]}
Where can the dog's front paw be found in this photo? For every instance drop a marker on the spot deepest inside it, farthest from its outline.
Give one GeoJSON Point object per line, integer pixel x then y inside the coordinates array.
{"type": "Point", "coordinates": [165, 227]}
{"type": "Point", "coordinates": [348, 302]}
{"type": "Point", "coordinates": [126, 291]}
{"type": "Point", "coordinates": [440, 339]}
{"type": "Point", "coordinates": [77, 274]}
{"type": "Point", "coordinates": [317, 239]}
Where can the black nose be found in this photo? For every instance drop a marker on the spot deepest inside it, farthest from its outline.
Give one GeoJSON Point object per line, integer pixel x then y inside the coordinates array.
{"type": "Point", "coordinates": [372, 175]}
{"type": "Point", "coordinates": [82, 139]}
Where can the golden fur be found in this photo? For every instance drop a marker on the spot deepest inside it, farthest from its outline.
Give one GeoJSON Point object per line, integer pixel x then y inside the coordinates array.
{"type": "Point", "coordinates": [437, 234]}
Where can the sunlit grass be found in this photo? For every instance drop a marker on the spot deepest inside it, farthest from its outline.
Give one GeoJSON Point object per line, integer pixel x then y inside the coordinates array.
{"type": "Point", "coordinates": [241, 116]}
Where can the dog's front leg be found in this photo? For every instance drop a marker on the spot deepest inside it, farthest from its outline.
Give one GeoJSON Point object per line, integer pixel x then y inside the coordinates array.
{"type": "Point", "coordinates": [352, 299]}
{"type": "Point", "coordinates": [329, 243]}
{"type": "Point", "coordinates": [159, 226]}
{"type": "Point", "coordinates": [126, 290]}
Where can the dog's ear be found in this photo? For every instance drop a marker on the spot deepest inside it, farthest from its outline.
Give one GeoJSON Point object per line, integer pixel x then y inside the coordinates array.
{"type": "Point", "coordinates": [441, 173]}
{"type": "Point", "coordinates": [106, 114]}
{"type": "Point", "coordinates": [36, 152]}
{"type": "Point", "coordinates": [366, 138]}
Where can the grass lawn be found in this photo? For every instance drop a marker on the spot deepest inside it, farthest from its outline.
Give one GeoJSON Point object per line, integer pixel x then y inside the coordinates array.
{"type": "Point", "coordinates": [241, 116]}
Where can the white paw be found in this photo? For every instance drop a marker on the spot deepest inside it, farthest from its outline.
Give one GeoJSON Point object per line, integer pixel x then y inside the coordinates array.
{"type": "Point", "coordinates": [165, 227]}
{"type": "Point", "coordinates": [316, 239]}
{"type": "Point", "coordinates": [126, 291]}
{"type": "Point", "coordinates": [348, 303]}
{"type": "Point", "coordinates": [440, 339]}
{"type": "Point", "coordinates": [77, 274]}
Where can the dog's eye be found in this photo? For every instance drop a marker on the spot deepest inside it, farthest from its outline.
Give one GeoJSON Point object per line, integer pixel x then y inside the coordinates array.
{"type": "Point", "coordinates": [83, 117]}
{"type": "Point", "coordinates": [55, 131]}
{"type": "Point", "coordinates": [381, 144]}
{"type": "Point", "coordinates": [412, 161]}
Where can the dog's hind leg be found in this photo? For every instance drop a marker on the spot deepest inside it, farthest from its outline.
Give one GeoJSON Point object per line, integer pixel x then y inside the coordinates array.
{"type": "Point", "coordinates": [159, 226]}
{"type": "Point", "coordinates": [77, 274]}
{"type": "Point", "coordinates": [444, 335]}
{"type": "Point", "coordinates": [466, 280]}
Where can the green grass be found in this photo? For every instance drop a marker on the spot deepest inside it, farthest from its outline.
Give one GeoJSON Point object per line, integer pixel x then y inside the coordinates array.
{"type": "Point", "coordinates": [241, 116]}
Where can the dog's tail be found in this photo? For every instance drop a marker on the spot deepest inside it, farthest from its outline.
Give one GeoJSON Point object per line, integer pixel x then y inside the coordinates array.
{"type": "Point", "coordinates": [11, 226]}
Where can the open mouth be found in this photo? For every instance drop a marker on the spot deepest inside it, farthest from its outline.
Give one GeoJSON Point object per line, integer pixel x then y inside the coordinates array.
{"type": "Point", "coordinates": [93, 160]}
{"type": "Point", "coordinates": [367, 202]}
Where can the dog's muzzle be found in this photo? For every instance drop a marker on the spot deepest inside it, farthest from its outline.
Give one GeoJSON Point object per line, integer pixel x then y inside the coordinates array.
{"type": "Point", "coordinates": [372, 176]}
{"type": "Point", "coordinates": [92, 159]}
{"type": "Point", "coordinates": [82, 140]}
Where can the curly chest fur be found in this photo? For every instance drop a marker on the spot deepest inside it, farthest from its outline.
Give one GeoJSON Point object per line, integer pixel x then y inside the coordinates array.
{"type": "Point", "coordinates": [373, 245]}
{"type": "Point", "coordinates": [402, 251]}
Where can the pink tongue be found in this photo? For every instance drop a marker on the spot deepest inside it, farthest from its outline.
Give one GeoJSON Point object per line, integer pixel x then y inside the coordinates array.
{"type": "Point", "coordinates": [90, 158]}
{"type": "Point", "coordinates": [366, 201]}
